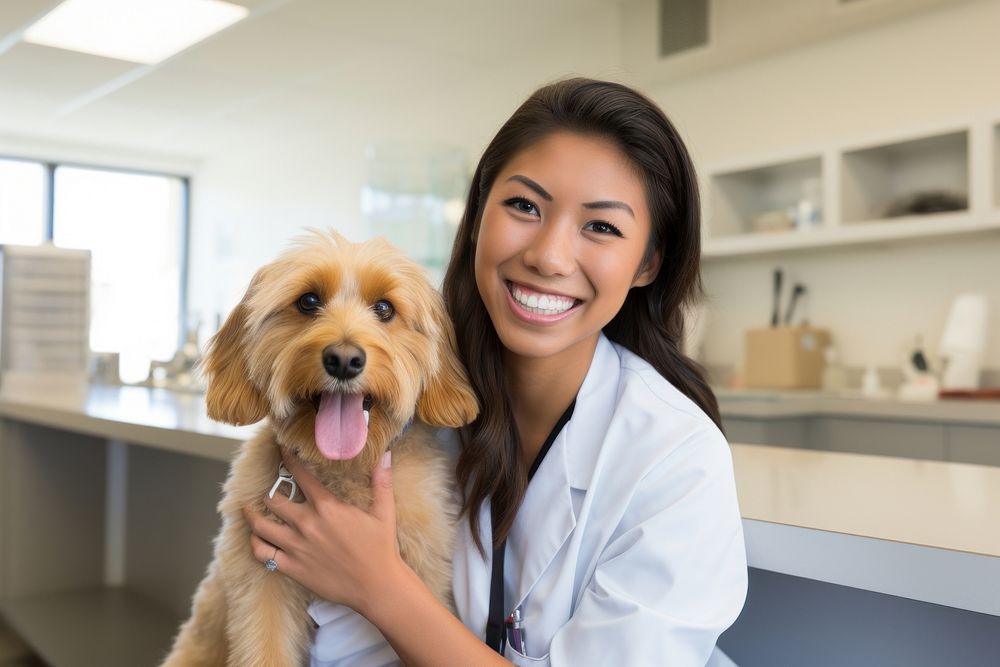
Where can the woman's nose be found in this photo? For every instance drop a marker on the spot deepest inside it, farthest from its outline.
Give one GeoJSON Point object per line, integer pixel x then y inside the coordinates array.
{"type": "Point", "coordinates": [550, 251]}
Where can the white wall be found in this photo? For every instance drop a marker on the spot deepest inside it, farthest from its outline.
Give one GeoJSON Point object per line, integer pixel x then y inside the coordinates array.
{"type": "Point", "coordinates": [923, 70]}
{"type": "Point", "coordinates": [308, 168]}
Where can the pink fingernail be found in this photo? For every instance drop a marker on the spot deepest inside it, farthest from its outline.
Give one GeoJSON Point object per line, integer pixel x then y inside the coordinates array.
{"type": "Point", "coordinates": [386, 459]}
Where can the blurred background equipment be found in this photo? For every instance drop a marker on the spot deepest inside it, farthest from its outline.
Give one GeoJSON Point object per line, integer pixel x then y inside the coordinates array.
{"type": "Point", "coordinates": [45, 317]}
{"type": "Point", "coordinates": [964, 341]}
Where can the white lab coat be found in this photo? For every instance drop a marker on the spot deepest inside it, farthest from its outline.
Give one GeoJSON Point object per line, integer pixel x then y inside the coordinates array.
{"type": "Point", "coordinates": [627, 550]}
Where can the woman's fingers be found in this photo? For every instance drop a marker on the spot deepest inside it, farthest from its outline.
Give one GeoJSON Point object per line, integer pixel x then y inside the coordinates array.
{"type": "Point", "coordinates": [262, 549]}
{"type": "Point", "coordinates": [312, 487]}
{"type": "Point", "coordinates": [267, 529]}
{"type": "Point", "coordinates": [285, 509]}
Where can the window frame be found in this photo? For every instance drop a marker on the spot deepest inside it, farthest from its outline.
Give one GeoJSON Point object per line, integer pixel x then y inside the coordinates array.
{"type": "Point", "coordinates": [48, 191]}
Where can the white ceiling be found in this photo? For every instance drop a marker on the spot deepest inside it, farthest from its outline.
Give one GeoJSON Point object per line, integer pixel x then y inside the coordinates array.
{"type": "Point", "coordinates": [287, 54]}
{"type": "Point", "coordinates": [316, 58]}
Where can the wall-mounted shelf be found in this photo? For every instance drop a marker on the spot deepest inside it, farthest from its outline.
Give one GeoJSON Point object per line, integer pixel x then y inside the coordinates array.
{"type": "Point", "coordinates": [744, 201]}
{"type": "Point", "coordinates": [883, 190]}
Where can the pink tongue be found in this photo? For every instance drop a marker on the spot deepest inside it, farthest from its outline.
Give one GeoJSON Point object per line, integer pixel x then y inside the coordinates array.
{"type": "Point", "coordinates": [341, 430]}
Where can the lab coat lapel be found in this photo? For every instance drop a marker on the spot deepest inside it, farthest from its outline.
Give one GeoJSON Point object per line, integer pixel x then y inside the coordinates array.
{"type": "Point", "coordinates": [546, 517]}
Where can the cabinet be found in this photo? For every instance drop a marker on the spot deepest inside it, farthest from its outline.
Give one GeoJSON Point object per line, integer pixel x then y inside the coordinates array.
{"type": "Point", "coordinates": [879, 437]}
{"type": "Point", "coordinates": [974, 444]}
{"type": "Point", "coordinates": [106, 526]}
{"type": "Point", "coordinates": [934, 441]}
{"type": "Point", "coordinates": [777, 432]}
{"type": "Point", "coordinates": [857, 192]}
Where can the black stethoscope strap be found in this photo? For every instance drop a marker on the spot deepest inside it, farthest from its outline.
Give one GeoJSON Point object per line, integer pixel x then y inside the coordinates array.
{"type": "Point", "coordinates": [495, 624]}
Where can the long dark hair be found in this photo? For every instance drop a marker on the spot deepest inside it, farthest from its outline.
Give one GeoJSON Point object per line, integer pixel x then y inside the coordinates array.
{"type": "Point", "coordinates": [650, 322]}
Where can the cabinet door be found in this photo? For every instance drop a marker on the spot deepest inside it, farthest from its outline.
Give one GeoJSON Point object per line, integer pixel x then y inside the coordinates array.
{"type": "Point", "coordinates": [876, 436]}
{"type": "Point", "coordinates": [974, 444]}
{"type": "Point", "coordinates": [777, 432]}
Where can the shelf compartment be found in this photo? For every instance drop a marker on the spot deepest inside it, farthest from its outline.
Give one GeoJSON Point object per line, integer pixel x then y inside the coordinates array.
{"type": "Point", "coordinates": [874, 180]}
{"type": "Point", "coordinates": [87, 627]}
{"type": "Point", "coordinates": [739, 199]}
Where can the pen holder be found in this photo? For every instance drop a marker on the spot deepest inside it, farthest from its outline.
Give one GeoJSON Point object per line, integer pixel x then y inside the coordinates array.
{"type": "Point", "coordinates": [784, 357]}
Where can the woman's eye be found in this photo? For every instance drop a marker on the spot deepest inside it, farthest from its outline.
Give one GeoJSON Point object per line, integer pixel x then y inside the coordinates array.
{"type": "Point", "coordinates": [383, 310]}
{"type": "Point", "coordinates": [309, 303]}
{"type": "Point", "coordinates": [521, 205]}
{"type": "Point", "coordinates": [602, 227]}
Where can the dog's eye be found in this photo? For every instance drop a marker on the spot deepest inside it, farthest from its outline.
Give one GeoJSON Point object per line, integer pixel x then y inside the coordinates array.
{"type": "Point", "coordinates": [384, 310]}
{"type": "Point", "coordinates": [309, 303]}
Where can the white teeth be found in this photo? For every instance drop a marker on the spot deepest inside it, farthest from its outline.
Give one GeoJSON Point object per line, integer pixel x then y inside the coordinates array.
{"type": "Point", "coordinates": [367, 416]}
{"type": "Point", "coordinates": [547, 304]}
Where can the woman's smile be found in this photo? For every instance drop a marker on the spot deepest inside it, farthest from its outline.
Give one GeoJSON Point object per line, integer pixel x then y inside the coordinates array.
{"type": "Point", "coordinates": [537, 306]}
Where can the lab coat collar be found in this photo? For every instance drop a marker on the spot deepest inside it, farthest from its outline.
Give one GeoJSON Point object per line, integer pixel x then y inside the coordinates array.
{"type": "Point", "coordinates": [595, 405]}
{"type": "Point", "coordinates": [546, 517]}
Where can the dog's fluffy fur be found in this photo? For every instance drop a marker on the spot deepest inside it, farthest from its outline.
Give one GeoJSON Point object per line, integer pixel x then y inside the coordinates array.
{"type": "Point", "coordinates": [267, 361]}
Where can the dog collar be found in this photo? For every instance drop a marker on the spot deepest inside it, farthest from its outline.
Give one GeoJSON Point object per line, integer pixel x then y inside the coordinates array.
{"type": "Point", "coordinates": [284, 477]}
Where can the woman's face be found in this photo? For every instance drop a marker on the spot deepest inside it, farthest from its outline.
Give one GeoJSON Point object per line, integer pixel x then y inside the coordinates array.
{"type": "Point", "coordinates": [562, 236]}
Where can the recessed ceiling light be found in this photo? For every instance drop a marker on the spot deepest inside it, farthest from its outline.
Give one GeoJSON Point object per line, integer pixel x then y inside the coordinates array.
{"type": "Point", "coordinates": [141, 31]}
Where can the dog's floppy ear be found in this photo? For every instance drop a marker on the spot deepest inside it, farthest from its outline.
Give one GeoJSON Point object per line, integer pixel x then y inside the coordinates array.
{"type": "Point", "coordinates": [447, 398]}
{"type": "Point", "coordinates": [231, 396]}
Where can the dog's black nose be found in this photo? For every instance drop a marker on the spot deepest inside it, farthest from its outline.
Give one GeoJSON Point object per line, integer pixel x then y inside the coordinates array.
{"type": "Point", "coordinates": [344, 361]}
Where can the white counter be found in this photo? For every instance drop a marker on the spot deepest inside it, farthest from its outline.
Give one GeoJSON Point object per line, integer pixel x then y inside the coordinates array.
{"type": "Point", "coordinates": [924, 530]}
{"type": "Point", "coordinates": [158, 418]}
{"type": "Point", "coordinates": [775, 404]}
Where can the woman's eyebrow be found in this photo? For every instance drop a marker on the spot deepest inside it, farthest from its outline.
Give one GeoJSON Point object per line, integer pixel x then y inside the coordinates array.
{"type": "Point", "coordinates": [610, 204]}
{"type": "Point", "coordinates": [531, 184]}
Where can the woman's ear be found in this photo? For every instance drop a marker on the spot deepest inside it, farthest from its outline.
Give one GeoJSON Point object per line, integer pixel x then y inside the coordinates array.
{"type": "Point", "coordinates": [231, 396]}
{"type": "Point", "coordinates": [649, 272]}
{"type": "Point", "coordinates": [447, 398]}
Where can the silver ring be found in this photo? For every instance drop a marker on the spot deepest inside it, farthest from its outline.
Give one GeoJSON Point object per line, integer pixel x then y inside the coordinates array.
{"type": "Point", "coordinates": [270, 564]}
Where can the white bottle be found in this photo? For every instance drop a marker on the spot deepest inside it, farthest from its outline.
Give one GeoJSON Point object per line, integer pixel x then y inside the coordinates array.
{"type": "Point", "coordinates": [871, 386]}
{"type": "Point", "coordinates": [808, 212]}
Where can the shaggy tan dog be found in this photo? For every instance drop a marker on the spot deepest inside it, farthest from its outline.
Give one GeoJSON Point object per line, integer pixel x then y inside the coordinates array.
{"type": "Point", "coordinates": [338, 345]}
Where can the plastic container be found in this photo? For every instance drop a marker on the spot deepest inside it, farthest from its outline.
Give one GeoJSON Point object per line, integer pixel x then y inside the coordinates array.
{"type": "Point", "coordinates": [808, 211]}
{"type": "Point", "coordinates": [834, 378]}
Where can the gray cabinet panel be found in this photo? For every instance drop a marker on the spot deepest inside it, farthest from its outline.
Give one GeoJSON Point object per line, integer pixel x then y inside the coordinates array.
{"type": "Point", "coordinates": [52, 494]}
{"type": "Point", "coordinates": [874, 436]}
{"type": "Point", "coordinates": [777, 432]}
{"type": "Point", "coordinates": [171, 522]}
{"type": "Point", "coordinates": [974, 444]}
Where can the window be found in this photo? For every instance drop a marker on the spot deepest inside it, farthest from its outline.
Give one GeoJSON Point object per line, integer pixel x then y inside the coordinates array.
{"type": "Point", "coordinates": [133, 224]}
{"type": "Point", "coordinates": [22, 202]}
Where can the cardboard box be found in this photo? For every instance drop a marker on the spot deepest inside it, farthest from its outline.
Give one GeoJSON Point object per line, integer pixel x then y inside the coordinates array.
{"type": "Point", "coordinates": [784, 357]}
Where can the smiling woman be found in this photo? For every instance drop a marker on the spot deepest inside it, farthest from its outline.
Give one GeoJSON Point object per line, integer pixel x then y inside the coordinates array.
{"type": "Point", "coordinates": [596, 456]}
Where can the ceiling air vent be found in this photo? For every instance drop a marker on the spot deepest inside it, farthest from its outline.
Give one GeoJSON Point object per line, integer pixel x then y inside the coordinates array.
{"type": "Point", "coordinates": [683, 25]}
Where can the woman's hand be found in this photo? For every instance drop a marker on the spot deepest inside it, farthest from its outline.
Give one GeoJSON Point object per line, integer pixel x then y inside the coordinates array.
{"type": "Point", "coordinates": [339, 552]}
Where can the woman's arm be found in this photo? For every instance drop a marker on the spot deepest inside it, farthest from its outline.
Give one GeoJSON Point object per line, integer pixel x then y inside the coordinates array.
{"type": "Point", "coordinates": [349, 556]}
{"type": "Point", "coordinates": [424, 632]}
